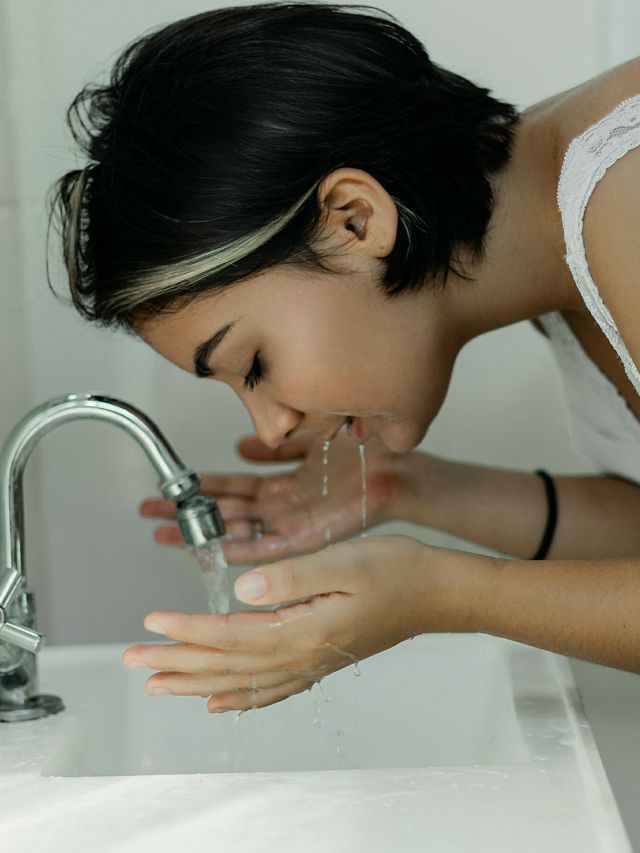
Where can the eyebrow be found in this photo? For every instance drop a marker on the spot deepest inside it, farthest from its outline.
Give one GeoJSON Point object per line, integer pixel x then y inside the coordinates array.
{"type": "Point", "coordinates": [203, 351]}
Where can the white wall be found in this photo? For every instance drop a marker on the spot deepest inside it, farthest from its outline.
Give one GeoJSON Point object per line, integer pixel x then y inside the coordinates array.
{"type": "Point", "coordinates": [91, 560]}
{"type": "Point", "coordinates": [92, 477]}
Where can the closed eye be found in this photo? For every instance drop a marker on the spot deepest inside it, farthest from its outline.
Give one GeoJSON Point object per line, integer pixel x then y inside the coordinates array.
{"type": "Point", "coordinates": [256, 373]}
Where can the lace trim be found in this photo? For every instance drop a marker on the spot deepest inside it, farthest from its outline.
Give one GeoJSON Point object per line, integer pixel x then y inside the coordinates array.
{"type": "Point", "coordinates": [585, 161]}
{"type": "Point", "coordinates": [561, 332]}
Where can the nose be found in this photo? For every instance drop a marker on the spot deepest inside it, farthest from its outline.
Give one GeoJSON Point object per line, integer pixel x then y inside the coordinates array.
{"type": "Point", "coordinates": [274, 422]}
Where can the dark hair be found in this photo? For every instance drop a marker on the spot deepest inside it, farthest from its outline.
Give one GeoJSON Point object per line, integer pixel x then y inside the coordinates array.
{"type": "Point", "coordinates": [210, 140]}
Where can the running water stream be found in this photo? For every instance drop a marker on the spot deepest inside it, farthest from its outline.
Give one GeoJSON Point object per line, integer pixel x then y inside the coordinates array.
{"type": "Point", "coordinates": [363, 487]}
{"type": "Point", "coordinates": [325, 482]}
{"type": "Point", "coordinates": [215, 576]}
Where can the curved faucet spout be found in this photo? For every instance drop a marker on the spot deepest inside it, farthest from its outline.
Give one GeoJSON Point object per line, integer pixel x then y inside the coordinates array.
{"type": "Point", "coordinates": [198, 516]}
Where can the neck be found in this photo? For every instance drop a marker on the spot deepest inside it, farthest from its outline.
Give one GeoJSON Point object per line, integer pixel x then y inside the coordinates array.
{"type": "Point", "coordinates": [524, 273]}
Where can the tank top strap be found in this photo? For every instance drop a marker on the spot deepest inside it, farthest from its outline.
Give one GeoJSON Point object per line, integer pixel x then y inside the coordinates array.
{"type": "Point", "coordinates": [586, 160]}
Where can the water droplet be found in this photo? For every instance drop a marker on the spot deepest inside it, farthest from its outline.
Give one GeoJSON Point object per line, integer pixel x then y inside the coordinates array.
{"type": "Point", "coordinates": [324, 695]}
{"type": "Point", "coordinates": [325, 463]}
{"type": "Point", "coordinates": [316, 709]}
{"type": "Point", "coordinates": [254, 693]}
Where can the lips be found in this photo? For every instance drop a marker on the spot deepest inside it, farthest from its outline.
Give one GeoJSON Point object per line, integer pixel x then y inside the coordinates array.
{"type": "Point", "coordinates": [355, 430]}
{"type": "Point", "coordinates": [352, 426]}
{"type": "Point", "coordinates": [345, 422]}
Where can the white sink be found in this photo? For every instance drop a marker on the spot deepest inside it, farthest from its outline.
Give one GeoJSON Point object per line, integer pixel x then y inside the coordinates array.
{"type": "Point", "coordinates": [450, 742]}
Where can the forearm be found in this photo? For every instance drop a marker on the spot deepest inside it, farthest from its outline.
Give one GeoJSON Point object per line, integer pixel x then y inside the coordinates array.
{"type": "Point", "coordinates": [586, 609]}
{"type": "Point", "coordinates": [505, 510]}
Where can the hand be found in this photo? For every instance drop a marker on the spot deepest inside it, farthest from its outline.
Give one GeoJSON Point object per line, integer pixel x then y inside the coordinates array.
{"type": "Point", "coordinates": [364, 596]}
{"type": "Point", "coordinates": [297, 517]}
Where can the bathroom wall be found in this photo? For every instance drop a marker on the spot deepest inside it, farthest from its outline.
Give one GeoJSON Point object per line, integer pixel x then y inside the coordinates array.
{"type": "Point", "coordinates": [92, 561]}
{"type": "Point", "coordinates": [15, 354]}
{"type": "Point", "coordinates": [92, 478]}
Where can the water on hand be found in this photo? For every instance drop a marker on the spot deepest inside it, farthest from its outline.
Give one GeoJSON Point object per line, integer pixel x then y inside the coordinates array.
{"type": "Point", "coordinates": [215, 575]}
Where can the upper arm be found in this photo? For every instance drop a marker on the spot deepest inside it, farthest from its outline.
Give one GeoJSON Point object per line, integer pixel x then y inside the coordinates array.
{"type": "Point", "coordinates": [611, 232]}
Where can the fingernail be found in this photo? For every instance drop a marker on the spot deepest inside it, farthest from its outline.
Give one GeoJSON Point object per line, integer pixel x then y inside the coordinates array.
{"type": "Point", "coordinates": [250, 586]}
{"type": "Point", "coordinates": [157, 691]}
{"type": "Point", "coordinates": [134, 664]}
{"type": "Point", "coordinates": [154, 628]}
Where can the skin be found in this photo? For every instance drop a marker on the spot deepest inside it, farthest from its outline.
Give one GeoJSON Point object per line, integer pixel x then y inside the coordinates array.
{"type": "Point", "coordinates": [349, 349]}
{"type": "Point", "coordinates": [332, 346]}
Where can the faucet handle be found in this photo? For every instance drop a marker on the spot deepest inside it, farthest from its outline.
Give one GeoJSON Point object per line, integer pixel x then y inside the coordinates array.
{"type": "Point", "coordinates": [17, 635]}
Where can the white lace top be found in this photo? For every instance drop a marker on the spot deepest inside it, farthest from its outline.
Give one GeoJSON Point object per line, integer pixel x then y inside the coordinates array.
{"type": "Point", "coordinates": [603, 427]}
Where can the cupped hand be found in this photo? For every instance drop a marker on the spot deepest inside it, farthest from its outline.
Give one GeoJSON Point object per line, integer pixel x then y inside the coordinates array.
{"type": "Point", "coordinates": [361, 597]}
{"type": "Point", "coordinates": [300, 511]}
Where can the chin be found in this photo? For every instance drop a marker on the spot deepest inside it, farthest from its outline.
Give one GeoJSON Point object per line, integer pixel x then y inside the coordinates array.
{"type": "Point", "coordinates": [401, 440]}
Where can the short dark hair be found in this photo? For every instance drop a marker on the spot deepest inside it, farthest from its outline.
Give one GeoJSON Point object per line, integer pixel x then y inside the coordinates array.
{"type": "Point", "coordinates": [209, 142]}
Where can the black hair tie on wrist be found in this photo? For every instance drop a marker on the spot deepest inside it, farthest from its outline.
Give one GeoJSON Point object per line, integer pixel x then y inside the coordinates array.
{"type": "Point", "coordinates": [552, 516]}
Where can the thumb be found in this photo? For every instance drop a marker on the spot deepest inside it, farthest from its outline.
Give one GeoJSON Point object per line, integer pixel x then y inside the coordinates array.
{"type": "Point", "coordinates": [288, 580]}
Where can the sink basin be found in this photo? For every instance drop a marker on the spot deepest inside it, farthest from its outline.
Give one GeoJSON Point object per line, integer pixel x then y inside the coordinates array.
{"type": "Point", "coordinates": [471, 741]}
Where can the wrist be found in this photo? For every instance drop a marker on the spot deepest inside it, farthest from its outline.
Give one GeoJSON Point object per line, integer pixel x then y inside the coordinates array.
{"type": "Point", "coordinates": [458, 594]}
{"type": "Point", "coordinates": [423, 481]}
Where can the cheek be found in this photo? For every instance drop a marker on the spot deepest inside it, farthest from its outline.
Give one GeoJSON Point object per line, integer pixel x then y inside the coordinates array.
{"type": "Point", "coordinates": [319, 365]}
{"type": "Point", "coordinates": [312, 380]}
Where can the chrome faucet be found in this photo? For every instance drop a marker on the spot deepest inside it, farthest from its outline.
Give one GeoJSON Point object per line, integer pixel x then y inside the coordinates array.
{"type": "Point", "coordinates": [198, 516]}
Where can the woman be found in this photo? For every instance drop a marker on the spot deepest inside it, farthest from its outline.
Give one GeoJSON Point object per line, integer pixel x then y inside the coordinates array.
{"type": "Point", "coordinates": [293, 199]}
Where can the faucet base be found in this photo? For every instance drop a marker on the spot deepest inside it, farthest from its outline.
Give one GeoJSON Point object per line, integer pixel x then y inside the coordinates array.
{"type": "Point", "coordinates": [33, 709]}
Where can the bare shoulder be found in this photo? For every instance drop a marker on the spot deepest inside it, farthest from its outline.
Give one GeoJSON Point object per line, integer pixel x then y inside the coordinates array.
{"type": "Point", "coordinates": [611, 225]}
{"type": "Point", "coordinates": [611, 233]}
{"type": "Point", "coordinates": [576, 109]}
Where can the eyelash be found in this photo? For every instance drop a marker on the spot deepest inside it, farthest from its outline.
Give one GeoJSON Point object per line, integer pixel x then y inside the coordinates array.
{"type": "Point", "coordinates": [256, 373]}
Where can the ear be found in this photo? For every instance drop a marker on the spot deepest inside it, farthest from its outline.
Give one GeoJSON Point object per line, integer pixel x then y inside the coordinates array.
{"type": "Point", "coordinates": [360, 204]}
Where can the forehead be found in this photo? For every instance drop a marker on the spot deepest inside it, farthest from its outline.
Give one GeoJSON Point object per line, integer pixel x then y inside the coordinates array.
{"type": "Point", "coordinates": [178, 332]}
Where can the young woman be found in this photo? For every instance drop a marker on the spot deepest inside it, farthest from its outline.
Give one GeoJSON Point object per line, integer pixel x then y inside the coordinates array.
{"type": "Point", "coordinates": [294, 200]}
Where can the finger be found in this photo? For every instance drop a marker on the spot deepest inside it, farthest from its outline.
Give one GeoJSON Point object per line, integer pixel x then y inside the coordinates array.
{"type": "Point", "coordinates": [246, 631]}
{"type": "Point", "coordinates": [236, 507]}
{"type": "Point", "coordinates": [157, 508]}
{"type": "Point", "coordinates": [169, 534]}
{"type": "Point", "coordinates": [185, 684]}
{"type": "Point", "coordinates": [231, 506]}
{"type": "Point", "coordinates": [240, 551]}
{"type": "Point", "coordinates": [266, 549]}
{"type": "Point", "coordinates": [298, 577]}
{"type": "Point", "coordinates": [256, 699]}
{"type": "Point", "coordinates": [245, 528]}
{"type": "Point", "coordinates": [294, 448]}
{"type": "Point", "coordinates": [240, 485]}
{"type": "Point", "coordinates": [187, 657]}
{"type": "Point", "coordinates": [231, 509]}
